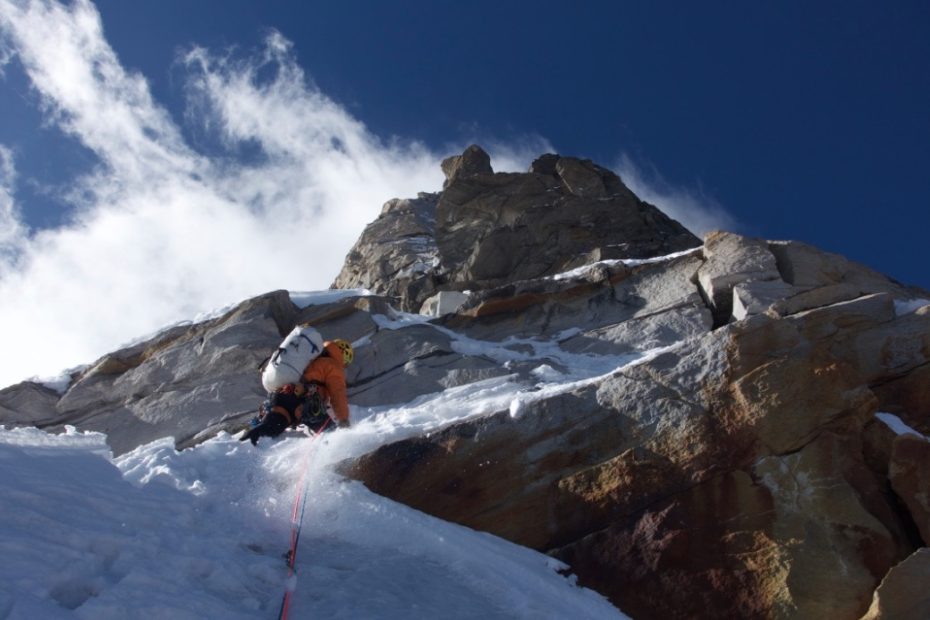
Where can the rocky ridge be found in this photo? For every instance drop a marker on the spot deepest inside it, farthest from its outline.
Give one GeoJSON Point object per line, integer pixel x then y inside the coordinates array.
{"type": "Point", "coordinates": [730, 464]}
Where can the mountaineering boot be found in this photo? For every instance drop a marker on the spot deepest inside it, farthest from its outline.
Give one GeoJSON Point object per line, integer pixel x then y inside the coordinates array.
{"type": "Point", "coordinates": [249, 434]}
{"type": "Point", "coordinates": [271, 425]}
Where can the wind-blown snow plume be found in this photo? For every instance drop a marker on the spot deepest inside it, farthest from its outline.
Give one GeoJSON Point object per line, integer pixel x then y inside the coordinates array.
{"type": "Point", "coordinates": [695, 210]}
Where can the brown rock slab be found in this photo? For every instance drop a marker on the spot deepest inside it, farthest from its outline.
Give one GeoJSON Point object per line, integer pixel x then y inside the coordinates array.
{"type": "Point", "coordinates": [903, 593]}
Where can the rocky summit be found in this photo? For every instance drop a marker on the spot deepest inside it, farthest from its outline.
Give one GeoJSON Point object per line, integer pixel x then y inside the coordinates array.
{"type": "Point", "coordinates": [487, 229]}
{"type": "Point", "coordinates": [733, 428]}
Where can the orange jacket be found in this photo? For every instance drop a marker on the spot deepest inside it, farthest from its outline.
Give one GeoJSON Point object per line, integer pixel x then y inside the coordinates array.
{"type": "Point", "coordinates": [328, 373]}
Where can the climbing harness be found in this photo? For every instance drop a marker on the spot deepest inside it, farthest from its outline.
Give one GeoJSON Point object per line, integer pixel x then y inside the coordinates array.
{"type": "Point", "coordinates": [297, 517]}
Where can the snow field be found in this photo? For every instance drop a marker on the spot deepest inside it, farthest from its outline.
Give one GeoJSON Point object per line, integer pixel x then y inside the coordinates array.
{"type": "Point", "coordinates": [201, 533]}
{"type": "Point", "coordinates": [80, 541]}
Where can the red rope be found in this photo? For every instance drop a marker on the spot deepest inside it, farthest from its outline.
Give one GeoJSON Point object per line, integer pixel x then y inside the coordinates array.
{"type": "Point", "coordinates": [297, 517]}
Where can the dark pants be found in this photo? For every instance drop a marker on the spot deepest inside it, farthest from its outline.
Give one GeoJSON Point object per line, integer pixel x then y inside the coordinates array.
{"type": "Point", "coordinates": [272, 425]}
{"type": "Point", "coordinates": [319, 423]}
{"type": "Point", "coordinates": [308, 409]}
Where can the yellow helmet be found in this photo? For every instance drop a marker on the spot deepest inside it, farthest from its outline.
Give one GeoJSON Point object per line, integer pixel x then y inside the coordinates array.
{"type": "Point", "coordinates": [347, 353]}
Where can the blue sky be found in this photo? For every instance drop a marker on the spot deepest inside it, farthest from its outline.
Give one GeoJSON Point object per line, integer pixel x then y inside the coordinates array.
{"type": "Point", "coordinates": [804, 120]}
{"type": "Point", "coordinates": [141, 142]}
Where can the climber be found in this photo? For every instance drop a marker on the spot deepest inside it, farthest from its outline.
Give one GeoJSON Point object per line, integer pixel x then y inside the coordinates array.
{"type": "Point", "coordinates": [318, 399]}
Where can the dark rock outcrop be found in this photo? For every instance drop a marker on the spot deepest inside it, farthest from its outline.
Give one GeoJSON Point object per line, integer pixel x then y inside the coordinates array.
{"type": "Point", "coordinates": [487, 229]}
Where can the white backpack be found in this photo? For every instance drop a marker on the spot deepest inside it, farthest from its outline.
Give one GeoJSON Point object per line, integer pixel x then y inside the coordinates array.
{"type": "Point", "coordinates": [303, 345]}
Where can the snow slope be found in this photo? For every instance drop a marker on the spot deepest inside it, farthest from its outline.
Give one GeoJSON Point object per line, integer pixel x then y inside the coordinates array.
{"type": "Point", "coordinates": [158, 533]}
{"type": "Point", "coordinates": [200, 534]}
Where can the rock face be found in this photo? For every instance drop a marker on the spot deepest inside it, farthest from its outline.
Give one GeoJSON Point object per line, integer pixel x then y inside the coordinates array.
{"type": "Point", "coordinates": [903, 593]}
{"type": "Point", "coordinates": [694, 434]}
{"type": "Point", "coordinates": [397, 256]}
{"type": "Point", "coordinates": [909, 472]}
{"type": "Point", "coordinates": [184, 380]}
{"type": "Point", "coordinates": [485, 230]}
{"type": "Point", "coordinates": [730, 476]}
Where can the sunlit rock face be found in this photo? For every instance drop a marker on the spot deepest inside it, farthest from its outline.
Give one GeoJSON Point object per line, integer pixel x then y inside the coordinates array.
{"type": "Point", "coordinates": [740, 473]}
{"type": "Point", "coordinates": [691, 427]}
{"type": "Point", "coordinates": [178, 383]}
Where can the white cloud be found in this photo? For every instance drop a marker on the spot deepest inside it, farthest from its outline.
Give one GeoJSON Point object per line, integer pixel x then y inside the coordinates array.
{"type": "Point", "coordinates": [12, 231]}
{"type": "Point", "coordinates": [695, 210]}
{"type": "Point", "coordinates": [88, 94]}
{"type": "Point", "coordinates": [6, 55]}
{"type": "Point", "coordinates": [162, 232]}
